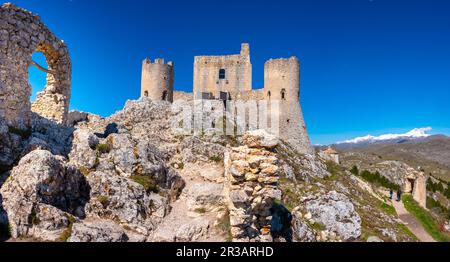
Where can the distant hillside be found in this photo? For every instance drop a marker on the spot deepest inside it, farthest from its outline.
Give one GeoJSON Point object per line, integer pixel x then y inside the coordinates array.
{"type": "Point", "coordinates": [431, 153]}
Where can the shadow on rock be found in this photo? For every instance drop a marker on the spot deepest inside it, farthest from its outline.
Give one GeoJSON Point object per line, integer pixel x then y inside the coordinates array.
{"type": "Point", "coordinates": [281, 223]}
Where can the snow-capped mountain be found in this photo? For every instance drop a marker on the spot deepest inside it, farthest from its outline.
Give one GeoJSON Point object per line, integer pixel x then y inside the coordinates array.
{"type": "Point", "coordinates": [413, 134]}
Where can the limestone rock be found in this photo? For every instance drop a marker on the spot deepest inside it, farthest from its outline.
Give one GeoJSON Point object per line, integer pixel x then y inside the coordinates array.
{"type": "Point", "coordinates": [208, 196]}
{"type": "Point", "coordinates": [40, 193]}
{"type": "Point", "coordinates": [120, 199]}
{"type": "Point", "coordinates": [302, 232]}
{"type": "Point", "coordinates": [260, 139]}
{"type": "Point", "coordinates": [374, 239]}
{"type": "Point", "coordinates": [83, 152]}
{"type": "Point", "coordinates": [97, 231]}
{"type": "Point", "coordinates": [337, 214]}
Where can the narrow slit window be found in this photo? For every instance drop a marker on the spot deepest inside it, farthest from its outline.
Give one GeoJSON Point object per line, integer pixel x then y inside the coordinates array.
{"type": "Point", "coordinates": [283, 94]}
{"type": "Point", "coordinates": [222, 74]}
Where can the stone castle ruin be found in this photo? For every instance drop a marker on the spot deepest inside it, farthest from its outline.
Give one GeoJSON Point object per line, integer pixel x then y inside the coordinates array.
{"type": "Point", "coordinates": [21, 34]}
{"type": "Point", "coordinates": [229, 78]}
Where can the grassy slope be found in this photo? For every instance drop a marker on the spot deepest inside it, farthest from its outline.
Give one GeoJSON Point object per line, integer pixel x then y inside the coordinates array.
{"type": "Point", "coordinates": [433, 155]}
{"type": "Point", "coordinates": [425, 219]}
{"type": "Point", "coordinates": [370, 209]}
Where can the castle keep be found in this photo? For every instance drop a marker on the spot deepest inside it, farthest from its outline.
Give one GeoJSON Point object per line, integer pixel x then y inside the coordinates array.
{"type": "Point", "coordinates": [225, 78]}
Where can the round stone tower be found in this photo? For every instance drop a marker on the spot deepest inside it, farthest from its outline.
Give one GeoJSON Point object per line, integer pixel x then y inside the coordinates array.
{"type": "Point", "coordinates": [282, 85]}
{"type": "Point", "coordinates": [157, 80]}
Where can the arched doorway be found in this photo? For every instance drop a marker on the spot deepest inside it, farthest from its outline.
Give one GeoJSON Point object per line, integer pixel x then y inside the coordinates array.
{"type": "Point", "coordinates": [37, 77]}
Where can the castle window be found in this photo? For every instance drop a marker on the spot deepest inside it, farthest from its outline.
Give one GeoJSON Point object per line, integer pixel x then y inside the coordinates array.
{"type": "Point", "coordinates": [283, 94]}
{"type": "Point", "coordinates": [164, 95]}
{"type": "Point", "coordinates": [222, 74]}
{"type": "Point", "coordinates": [269, 94]}
{"type": "Point", "coordinates": [146, 93]}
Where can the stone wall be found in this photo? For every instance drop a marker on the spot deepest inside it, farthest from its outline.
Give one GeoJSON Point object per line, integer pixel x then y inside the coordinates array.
{"type": "Point", "coordinates": [180, 95]}
{"type": "Point", "coordinates": [157, 80]}
{"type": "Point", "coordinates": [238, 73]}
{"type": "Point", "coordinates": [252, 175]}
{"type": "Point", "coordinates": [21, 34]}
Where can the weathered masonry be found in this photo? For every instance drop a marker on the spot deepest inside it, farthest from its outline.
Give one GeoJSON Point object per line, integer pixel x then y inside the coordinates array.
{"type": "Point", "coordinates": [21, 34]}
{"type": "Point", "coordinates": [229, 77]}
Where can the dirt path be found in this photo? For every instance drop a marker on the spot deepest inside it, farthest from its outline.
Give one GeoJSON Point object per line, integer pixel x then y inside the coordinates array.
{"type": "Point", "coordinates": [183, 224]}
{"type": "Point", "coordinates": [411, 222]}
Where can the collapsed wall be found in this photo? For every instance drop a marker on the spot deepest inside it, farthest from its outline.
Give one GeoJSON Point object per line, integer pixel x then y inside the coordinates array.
{"type": "Point", "coordinates": [21, 34]}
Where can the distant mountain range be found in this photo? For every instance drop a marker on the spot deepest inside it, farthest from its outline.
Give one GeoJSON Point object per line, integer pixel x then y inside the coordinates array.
{"type": "Point", "coordinates": [417, 133]}
{"type": "Point", "coordinates": [416, 148]}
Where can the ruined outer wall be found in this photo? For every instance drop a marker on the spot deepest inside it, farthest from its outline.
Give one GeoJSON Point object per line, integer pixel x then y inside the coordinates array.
{"type": "Point", "coordinates": [283, 75]}
{"type": "Point", "coordinates": [181, 95]}
{"type": "Point", "coordinates": [238, 73]}
{"type": "Point", "coordinates": [22, 33]}
{"type": "Point", "coordinates": [157, 80]}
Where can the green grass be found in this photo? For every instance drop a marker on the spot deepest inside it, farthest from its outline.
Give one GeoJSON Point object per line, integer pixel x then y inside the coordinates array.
{"type": "Point", "coordinates": [408, 232]}
{"type": "Point", "coordinates": [374, 178]}
{"type": "Point", "coordinates": [333, 168]}
{"type": "Point", "coordinates": [200, 210]}
{"type": "Point", "coordinates": [104, 200]}
{"type": "Point", "coordinates": [225, 226]}
{"type": "Point", "coordinates": [147, 182]}
{"type": "Point", "coordinates": [425, 219]}
{"type": "Point", "coordinates": [217, 159]}
{"type": "Point", "coordinates": [318, 227]}
{"type": "Point", "coordinates": [103, 148]}
{"type": "Point", "coordinates": [388, 209]}
{"type": "Point", "coordinates": [433, 204]}
{"type": "Point", "coordinates": [68, 231]}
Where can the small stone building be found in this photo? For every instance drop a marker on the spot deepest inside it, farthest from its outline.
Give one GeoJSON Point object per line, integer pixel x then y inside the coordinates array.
{"type": "Point", "coordinates": [330, 154]}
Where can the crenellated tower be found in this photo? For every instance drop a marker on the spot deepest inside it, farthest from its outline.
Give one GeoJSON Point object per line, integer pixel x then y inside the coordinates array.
{"type": "Point", "coordinates": [157, 80]}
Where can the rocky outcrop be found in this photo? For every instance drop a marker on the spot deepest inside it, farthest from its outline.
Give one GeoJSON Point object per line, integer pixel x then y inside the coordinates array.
{"type": "Point", "coordinates": [302, 231]}
{"type": "Point", "coordinates": [410, 180]}
{"type": "Point", "coordinates": [42, 195]}
{"type": "Point", "coordinates": [336, 213]}
{"type": "Point", "coordinates": [260, 139]}
{"type": "Point", "coordinates": [122, 200]}
{"type": "Point", "coordinates": [97, 231]}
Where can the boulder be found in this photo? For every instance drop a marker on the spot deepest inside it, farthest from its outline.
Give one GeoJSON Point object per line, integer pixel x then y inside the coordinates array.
{"type": "Point", "coordinates": [120, 199]}
{"type": "Point", "coordinates": [97, 231]}
{"type": "Point", "coordinates": [83, 152]}
{"type": "Point", "coordinates": [40, 195]}
{"type": "Point", "coordinates": [260, 139]}
{"type": "Point", "coordinates": [337, 214]}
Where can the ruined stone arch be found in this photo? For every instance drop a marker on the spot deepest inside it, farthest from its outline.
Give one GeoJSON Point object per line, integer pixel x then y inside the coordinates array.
{"type": "Point", "coordinates": [21, 34]}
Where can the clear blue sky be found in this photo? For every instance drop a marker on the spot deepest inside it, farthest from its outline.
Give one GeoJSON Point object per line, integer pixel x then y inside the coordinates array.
{"type": "Point", "coordinates": [368, 66]}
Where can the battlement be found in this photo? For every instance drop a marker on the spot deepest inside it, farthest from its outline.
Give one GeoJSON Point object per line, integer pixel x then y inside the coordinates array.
{"type": "Point", "coordinates": [158, 61]}
{"type": "Point", "coordinates": [157, 79]}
